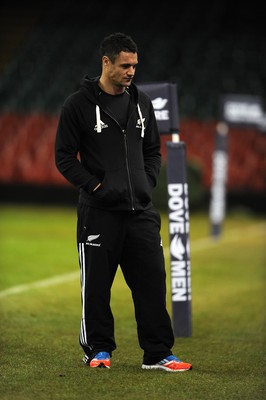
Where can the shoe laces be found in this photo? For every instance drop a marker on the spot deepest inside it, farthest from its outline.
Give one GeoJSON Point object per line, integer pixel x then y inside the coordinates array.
{"type": "Point", "coordinates": [102, 355]}
{"type": "Point", "coordinates": [169, 358]}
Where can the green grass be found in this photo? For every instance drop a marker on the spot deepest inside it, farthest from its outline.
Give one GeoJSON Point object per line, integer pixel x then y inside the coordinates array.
{"type": "Point", "coordinates": [39, 328]}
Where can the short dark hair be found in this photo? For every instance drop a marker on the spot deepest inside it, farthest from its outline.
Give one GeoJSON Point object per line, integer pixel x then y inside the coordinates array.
{"type": "Point", "coordinates": [113, 44]}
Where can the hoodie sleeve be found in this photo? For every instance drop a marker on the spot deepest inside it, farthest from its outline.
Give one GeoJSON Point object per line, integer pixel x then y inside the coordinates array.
{"type": "Point", "coordinates": [67, 144]}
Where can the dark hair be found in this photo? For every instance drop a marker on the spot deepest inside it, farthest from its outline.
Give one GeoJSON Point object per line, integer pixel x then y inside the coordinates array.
{"type": "Point", "coordinates": [113, 44]}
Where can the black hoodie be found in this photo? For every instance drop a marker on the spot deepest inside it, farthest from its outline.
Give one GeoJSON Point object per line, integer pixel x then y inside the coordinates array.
{"type": "Point", "coordinates": [92, 148]}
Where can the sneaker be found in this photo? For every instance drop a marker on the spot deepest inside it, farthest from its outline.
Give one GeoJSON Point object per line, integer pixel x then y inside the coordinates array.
{"type": "Point", "coordinates": [170, 364]}
{"type": "Point", "coordinates": [100, 360]}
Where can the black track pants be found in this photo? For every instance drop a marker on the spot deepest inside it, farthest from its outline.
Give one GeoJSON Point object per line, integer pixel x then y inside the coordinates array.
{"type": "Point", "coordinates": [132, 240]}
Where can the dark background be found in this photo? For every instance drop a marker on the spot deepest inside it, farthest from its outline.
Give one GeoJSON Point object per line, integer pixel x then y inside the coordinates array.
{"type": "Point", "coordinates": [207, 48]}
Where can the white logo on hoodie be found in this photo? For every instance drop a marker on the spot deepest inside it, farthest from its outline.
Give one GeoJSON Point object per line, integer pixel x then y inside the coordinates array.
{"type": "Point", "coordinates": [103, 125]}
{"type": "Point", "coordinates": [139, 123]}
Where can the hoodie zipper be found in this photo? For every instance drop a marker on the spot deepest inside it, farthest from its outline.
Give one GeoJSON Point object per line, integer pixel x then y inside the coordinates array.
{"type": "Point", "coordinates": [128, 171]}
{"type": "Point", "coordinates": [127, 162]}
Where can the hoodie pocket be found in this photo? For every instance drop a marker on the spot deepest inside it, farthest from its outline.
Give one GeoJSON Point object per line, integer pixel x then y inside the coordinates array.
{"type": "Point", "coordinates": [141, 185]}
{"type": "Point", "coordinates": [114, 187]}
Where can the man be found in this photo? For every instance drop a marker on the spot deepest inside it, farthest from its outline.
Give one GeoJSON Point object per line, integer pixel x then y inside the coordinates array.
{"type": "Point", "coordinates": [108, 145]}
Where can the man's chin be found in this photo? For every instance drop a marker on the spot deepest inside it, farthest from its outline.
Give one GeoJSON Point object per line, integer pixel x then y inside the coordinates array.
{"type": "Point", "coordinates": [127, 83]}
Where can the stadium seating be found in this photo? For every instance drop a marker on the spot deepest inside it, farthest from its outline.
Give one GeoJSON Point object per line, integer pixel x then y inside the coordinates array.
{"type": "Point", "coordinates": [54, 44]}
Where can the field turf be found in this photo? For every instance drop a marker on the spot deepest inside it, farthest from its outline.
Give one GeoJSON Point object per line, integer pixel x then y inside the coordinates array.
{"type": "Point", "coordinates": [40, 314]}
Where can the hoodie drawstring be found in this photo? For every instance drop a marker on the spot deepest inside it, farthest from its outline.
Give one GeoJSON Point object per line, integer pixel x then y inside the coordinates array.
{"type": "Point", "coordinates": [141, 121]}
{"type": "Point", "coordinates": [98, 120]}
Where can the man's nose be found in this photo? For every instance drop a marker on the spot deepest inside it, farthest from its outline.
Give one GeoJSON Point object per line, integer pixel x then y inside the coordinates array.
{"type": "Point", "coordinates": [131, 71]}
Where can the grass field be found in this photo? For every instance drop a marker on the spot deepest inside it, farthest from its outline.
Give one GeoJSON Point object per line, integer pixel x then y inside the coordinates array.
{"type": "Point", "coordinates": [40, 315]}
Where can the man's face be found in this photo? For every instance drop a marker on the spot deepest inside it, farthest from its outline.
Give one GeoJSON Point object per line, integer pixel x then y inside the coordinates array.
{"type": "Point", "coordinates": [121, 72]}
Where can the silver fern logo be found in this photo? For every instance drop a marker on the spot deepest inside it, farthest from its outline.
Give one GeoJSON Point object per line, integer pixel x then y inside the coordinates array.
{"type": "Point", "coordinates": [139, 124]}
{"type": "Point", "coordinates": [91, 238]}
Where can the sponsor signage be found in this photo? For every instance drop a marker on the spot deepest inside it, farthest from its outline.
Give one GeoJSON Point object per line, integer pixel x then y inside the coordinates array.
{"type": "Point", "coordinates": [235, 110]}
{"type": "Point", "coordinates": [164, 100]}
{"type": "Point", "coordinates": [219, 178]}
{"type": "Point", "coordinates": [178, 211]}
{"type": "Point", "coordinates": [243, 110]}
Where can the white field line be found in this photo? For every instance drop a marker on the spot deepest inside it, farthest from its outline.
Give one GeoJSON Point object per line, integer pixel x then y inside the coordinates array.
{"type": "Point", "coordinates": [196, 245]}
{"type": "Point", "coordinates": [57, 279]}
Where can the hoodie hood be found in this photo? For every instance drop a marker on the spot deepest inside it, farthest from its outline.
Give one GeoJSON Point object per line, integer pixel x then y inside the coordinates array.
{"type": "Point", "coordinates": [93, 88]}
